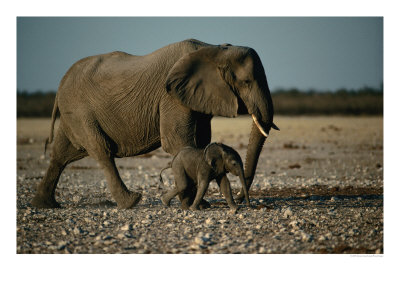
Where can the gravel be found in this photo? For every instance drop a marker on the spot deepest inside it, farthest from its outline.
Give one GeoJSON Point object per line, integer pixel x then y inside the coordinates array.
{"type": "Point", "coordinates": [328, 203]}
{"type": "Point", "coordinates": [294, 224]}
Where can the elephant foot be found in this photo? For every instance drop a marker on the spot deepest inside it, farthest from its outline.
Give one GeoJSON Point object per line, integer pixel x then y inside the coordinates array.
{"type": "Point", "coordinates": [165, 200]}
{"type": "Point", "coordinates": [185, 206]}
{"type": "Point", "coordinates": [129, 200]}
{"type": "Point", "coordinates": [202, 205]}
{"type": "Point", "coordinates": [250, 205]}
{"type": "Point", "coordinates": [40, 201]}
{"type": "Point", "coordinates": [240, 197]}
{"type": "Point", "coordinates": [194, 208]}
{"type": "Point", "coordinates": [233, 210]}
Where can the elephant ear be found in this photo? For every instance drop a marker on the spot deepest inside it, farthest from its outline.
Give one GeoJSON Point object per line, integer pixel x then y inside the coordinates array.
{"type": "Point", "coordinates": [213, 155]}
{"type": "Point", "coordinates": [196, 81]}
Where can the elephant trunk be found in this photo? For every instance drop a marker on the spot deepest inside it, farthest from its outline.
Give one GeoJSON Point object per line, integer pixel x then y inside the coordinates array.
{"type": "Point", "coordinates": [244, 188]}
{"type": "Point", "coordinates": [262, 123]}
{"type": "Point", "coordinates": [256, 143]}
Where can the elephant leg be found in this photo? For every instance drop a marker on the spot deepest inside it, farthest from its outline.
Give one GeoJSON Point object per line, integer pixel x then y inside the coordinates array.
{"type": "Point", "coordinates": [63, 153]}
{"type": "Point", "coordinates": [201, 191]}
{"type": "Point", "coordinates": [188, 196]}
{"type": "Point", "coordinates": [120, 193]}
{"type": "Point", "coordinates": [225, 187]}
{"type": "Point", "coordinates": [167, 197]}
{"type": "Point", "coordinates": [203, 138]}
{"type": "Point", "coordinates": [191, 196]}
{"type": "Point", "coordinates": [99, 149]}
{"type": "Point", "coordinates": [184, 187]}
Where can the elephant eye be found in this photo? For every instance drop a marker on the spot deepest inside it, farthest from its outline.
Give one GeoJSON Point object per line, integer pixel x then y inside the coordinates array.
{"type": "Point", "coordinates": [246, 83]}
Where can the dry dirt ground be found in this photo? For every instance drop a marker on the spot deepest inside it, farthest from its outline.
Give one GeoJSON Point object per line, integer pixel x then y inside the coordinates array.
{"type": "Point", "coordinates": [318, 189]}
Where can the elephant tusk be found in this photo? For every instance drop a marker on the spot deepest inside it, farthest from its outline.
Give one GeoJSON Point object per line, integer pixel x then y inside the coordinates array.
{"type": "Point", "coordinates": [259, 125]}
{"type": "Point", "coordinates": [275, 127]}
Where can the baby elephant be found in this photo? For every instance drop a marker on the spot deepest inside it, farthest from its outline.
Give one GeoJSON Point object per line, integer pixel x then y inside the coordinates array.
{"type": "Point", "coordinates": [194, 169]}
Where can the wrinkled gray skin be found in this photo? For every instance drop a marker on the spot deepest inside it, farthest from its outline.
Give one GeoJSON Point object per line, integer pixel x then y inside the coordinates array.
{"type": "Point", "coordinates": [119, 105]}
{"type": "Point", "coordinates": [194, 169]}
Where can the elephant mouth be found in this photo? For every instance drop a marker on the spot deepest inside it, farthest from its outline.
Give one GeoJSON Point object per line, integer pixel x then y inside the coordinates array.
{"type": "Point", "coordinates": [263, 127]}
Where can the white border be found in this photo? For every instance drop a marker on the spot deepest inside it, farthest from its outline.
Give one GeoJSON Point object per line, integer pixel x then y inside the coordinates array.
{"type": "Point", "coordinates": [199, 276]}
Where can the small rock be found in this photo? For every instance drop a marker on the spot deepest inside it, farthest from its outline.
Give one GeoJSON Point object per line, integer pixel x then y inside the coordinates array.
{"type": "Point", "coordinates": [203, 240]}
{"type": "Point", "coordinates": [71, 221]}
{"type": "Point", "coordinates": [198, 240]}
{"type": "Point", "coordinates": [305, 237]}
{"type": "Point", "coordinates": [127, 227]}
{"type": "Point", "coordinates": [128, 235]}
{"type": "Point", "coordinates": [249, 233]}
{"type": "Point", "coordinates": [288, 213]}
{"type": "Point", "coordinates": [209, 221]}
{"type": "Point", "coordinates": [61, 245]}
{"type": "Point", "coordinates": [78, 230]}
{"type": "Point", "coordinates": [294, 224]}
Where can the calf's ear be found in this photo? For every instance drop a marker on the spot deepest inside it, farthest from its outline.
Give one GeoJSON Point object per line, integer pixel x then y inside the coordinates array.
{"type": "Point", "coordinates": [213, 155]}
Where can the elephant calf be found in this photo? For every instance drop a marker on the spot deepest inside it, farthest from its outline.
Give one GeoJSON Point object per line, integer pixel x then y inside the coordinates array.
{"type": "Point", "coordinates": [194, 169]}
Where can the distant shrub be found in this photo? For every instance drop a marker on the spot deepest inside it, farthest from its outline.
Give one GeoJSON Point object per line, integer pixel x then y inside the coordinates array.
{"type": "Point", "coordinates": [365, 101]}
{"type": "Point", "coordinates": [36, 104]}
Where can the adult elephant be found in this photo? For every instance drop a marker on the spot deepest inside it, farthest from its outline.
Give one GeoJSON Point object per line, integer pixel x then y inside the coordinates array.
{"type": "Point", "coordinates": [119, 105]}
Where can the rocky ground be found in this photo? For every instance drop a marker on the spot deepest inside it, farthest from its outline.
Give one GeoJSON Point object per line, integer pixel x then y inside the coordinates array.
{"type": "Point", "coordinates": [318, 189]}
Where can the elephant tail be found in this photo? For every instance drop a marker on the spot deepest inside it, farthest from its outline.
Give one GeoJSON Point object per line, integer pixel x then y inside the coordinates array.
{"type": "Point", "coordinates": [169, 165]}
{"type": "Point", "coordinates": [49, 140]}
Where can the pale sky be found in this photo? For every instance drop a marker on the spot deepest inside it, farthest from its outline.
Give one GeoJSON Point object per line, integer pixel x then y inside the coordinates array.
{"type": "Point", "coordinates": [320, 53]}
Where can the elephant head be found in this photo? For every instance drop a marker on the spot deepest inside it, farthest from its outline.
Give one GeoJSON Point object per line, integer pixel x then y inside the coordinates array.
{"type": "Point", "coordinates": [226, 81]}
{"type": "Point", "coordinates": [222, 159]}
